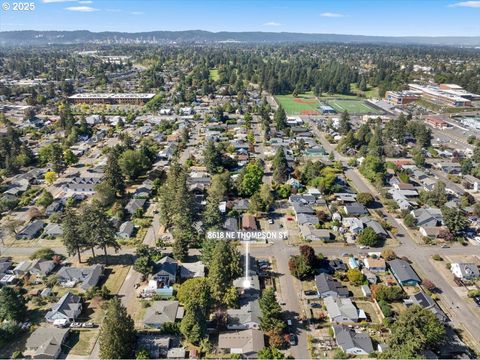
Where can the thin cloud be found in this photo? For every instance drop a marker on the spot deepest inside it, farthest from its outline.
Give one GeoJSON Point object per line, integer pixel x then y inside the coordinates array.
{"type": "Point", "coordinates": [85, 2]}
{"type": "Point", "coordinates": [81, 8]}
{"type": "Point", "coordinates": [469, 4]}
{"type": "Point", "coordinates": [272, 23]}
{"type": "Point", "coordinates": [330, 14]}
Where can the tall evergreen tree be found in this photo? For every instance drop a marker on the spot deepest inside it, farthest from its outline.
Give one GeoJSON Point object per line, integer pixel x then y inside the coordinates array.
{"type": "Point", "coordinates": [113, 174]}
{"type": "Point", "coordinates": [72, 238]}
{"type": "Point", "coordinates": [223, 269]}
{"type": "Point", "coordinates": [280, 118]}
{"type": "Point", "coordinates": [280, 164]}
{"type": "Point", "coordinates": [12, 305]}
{"type": "Point", "coordinates": [344, 126]}
{"type": "Point", "coordinates": [117, 333]}
{"type": "Point", "coordinates": [97, 229]}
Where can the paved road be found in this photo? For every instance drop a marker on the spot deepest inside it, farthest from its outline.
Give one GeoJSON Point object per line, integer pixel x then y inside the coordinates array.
{"type": "Point", "coordinates": [290, 290]}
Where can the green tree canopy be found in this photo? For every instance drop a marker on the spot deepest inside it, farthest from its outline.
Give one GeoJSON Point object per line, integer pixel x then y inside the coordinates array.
{"type": "Point", "coordinates": [117, 333]}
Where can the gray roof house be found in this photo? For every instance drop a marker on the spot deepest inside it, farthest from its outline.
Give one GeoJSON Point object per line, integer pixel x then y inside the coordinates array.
{"type": "Point", "coordinates": [41, 267]}
{"type": "Point", "coordinates": [52, 230]}
{"type": "Point", "coordinates": [31, 230]}
{"type": "Point", "coordinates": [192, 270]}
{"type": "Point", "coordinates": [379, 230]}
{"type": "Point", "coordinates": [166, 271]}
{"type": "Point", "coordinates": [161, 312]}
{"type": "Point", "coordinates": [312, 234]}
{"type": "Point", "coordinates": [341, 310]}
{"type": "Point", "coordinates": [67, 308]}
{"type": "Point", "coordinates": [428, 217]}
{"type": "Point", "coordinates": [126, 230]}
{"type": "Point", "coordinates": [328, 286]}
{"type": "Point", "coordinates": [246, 343]}
{"type": "Point", "coordinates": [355, 209]}
{"type": "Point", "coordinates": [88, 276]}
{"type": "Point", "coordinates": [351, 342]}
{"type": "Point", "coordinates": [46, 343]}
{"type": "Point", "coordinates": [135, 204]}
{"type": "Point", "coordinates": [403, 272]}
{"type": "Point", "coordinates": [22, 268]}
{"type": "Point", "coordinates": [247, 317]}
{"type": "Point", "coordinates": [465, 270]}
{"type": "Point", "coordinates": [307, 219]}
{"type": "Point", "coordinates": [231, 224]}
{"type": "Point", "coordinates": [428, 303]}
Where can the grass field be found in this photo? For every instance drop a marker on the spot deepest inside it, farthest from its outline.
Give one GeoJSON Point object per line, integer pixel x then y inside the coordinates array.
{"type": "Point", "coordinates": [214, 74]}
{"type": "Point", "coordinates": [304, 104]}
{"type": "Point", "coordinates": [352, 106]}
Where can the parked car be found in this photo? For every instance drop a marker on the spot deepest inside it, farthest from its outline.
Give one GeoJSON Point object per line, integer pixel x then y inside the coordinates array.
{"type": "Point", "coordinates": [88, 325]}
{"type": "Point", "coordinates": [315, 305]}
{"type": "Point", "coordinates": [310, 292]}
{"type": "Point", "coordinates": [477, 300]}
{"type": "Point", "coordinates": [270, 221]}
{"type": "Point", "coordinates": [292, 339]}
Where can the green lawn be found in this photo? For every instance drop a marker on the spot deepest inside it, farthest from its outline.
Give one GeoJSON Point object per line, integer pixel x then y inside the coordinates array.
{"type": "Point", "coordinates": [371, 92]}
{"type": "Point", "coordinates": [304, 104]}
{"type": "Point", "coordinates": [214, 74]}
{"type": "Point", "coordinates": [352, 106]}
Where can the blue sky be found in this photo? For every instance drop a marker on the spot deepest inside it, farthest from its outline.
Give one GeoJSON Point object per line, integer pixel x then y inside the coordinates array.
{"type": "Point", "coordinates": [364, 17]}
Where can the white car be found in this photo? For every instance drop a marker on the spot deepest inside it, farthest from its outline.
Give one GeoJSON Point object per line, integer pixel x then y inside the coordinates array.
{"type": "Point", "coordinates": [270, 221]}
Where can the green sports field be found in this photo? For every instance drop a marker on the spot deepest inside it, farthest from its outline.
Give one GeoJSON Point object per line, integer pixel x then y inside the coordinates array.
{"type": "Point", "coordinates": [302, 105]}
{"type": "Point", "coordinates": [214, 74]}
{"type": "Point", "coordinates": [352, 106]}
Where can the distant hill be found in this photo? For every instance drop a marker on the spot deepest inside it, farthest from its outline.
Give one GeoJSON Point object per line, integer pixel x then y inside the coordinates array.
{"type": "Point", "coordinates": [30, 37]}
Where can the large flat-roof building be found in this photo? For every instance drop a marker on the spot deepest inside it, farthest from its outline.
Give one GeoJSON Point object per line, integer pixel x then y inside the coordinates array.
{"type": "Point", "coordinates": [401, 97]}
{"type": "Point", "coordinates": [112, 99]}
{"type": "Point", "coordinates": [445, 94]}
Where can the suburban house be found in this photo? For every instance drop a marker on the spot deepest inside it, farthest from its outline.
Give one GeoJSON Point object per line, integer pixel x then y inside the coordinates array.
{"type": "Point", "coordinates": [88, 276]}
{"type": "Point", "coordinates": [379, 230]}
{"type": "Point", "coordinates": [428, 217]}
{"type": "Point", "coordinates": [66, 309]}
{"type": "Point", "coordinates": [466, 271]}
{"type": "Point", "coordinates": [312, 234]}
{"type": "Point", "coordinates": [134, 204]}
{"type": "Point", "coordinates": [403, 272]}
{"type": "Point", "coordinates": [31, 230]}
{"type": "Point", "coordinates": [355, 209]}
{"type": "Point", "coordinates": [328, 286]}
{"type": "Point", "coordinates": [375, 264]}
{"type": "Point", "coordinates": [246, 343]}
{"type": "Point", "coordinates": [41, 267]}
{"type": "Point", "coordinates": [166, 271]}
{"type": "Point", "coordinates": [192, 270]}
{"type": "Point", "coordinates": [126, 230]}
{"type": "Point", "coordinates": [428, 303]}
{"type": "Point", "coordinates": [449, 167]}
{"type": "Point", "coordinates": [247, 317]}
{"type": "Point", "coordinates": [352, 342]}
{"type": "Point", "coordinates": [46, 343]}
{"type": "Point", "coordinates": [471, 182]}
{"type": "Point", "coordinates": [249, 222]}
{"type": "Point", "coordinates": [162, 312]}
{"type": "Point", "coordinates": [342, 310]}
